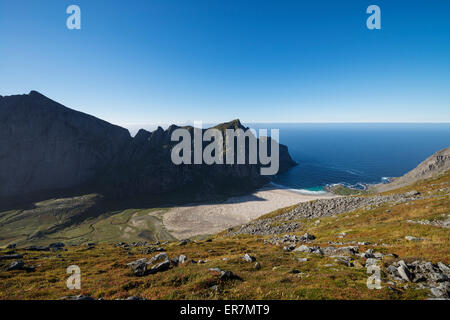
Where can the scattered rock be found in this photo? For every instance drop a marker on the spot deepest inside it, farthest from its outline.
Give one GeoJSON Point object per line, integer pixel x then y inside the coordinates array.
{"type": "Point", "coordinates": [443, 222]}
{"type": "Point", "coordinates": [182, 258]}
{"type": "Point", "coordinates": [11, 256]}
{"type": "Point", "coordinates": [174, 261]}
{"type": "Point", "coordinates": [139, 267]}
{"type": "Point", "coordinates": [344, 261]}
{"type": "Point", "coordinates": [19, 265]}
{"type": "Point", "coordinates": [403, 270]}
{"type": "Point", "coordinates": [159, 257]}
{"type": "Point", "coordinates": [412, 193]}
{"type": "Point", "coordinates": [307, 237]}
{"type": "Point", "coordinates": [303, 248]}
{"type": "Point", "coordinates": [248, 258]}
{"type": "Point", "coordinates": [228, 275]}
{"type": "Point", "coordinates": [183, 242]}
{"type": "Point", "coordinates": [443, 268]}
{"type": "Point", "coordinates": [378, 255]}
{"type": "Point", "coordinates": [214, 288]}
{"type": "Point", "coordinates": [78, 298]}
{"type": "Point", "coordinates": [57, 245]}
{"type": "Point", "coordinates": [163, 266]}
{"type": "Point", "coordinates": [411, 238]}
{"type": "Point", "coordinates": [342, 235]}
{"type": "Point", "coordinates": [16, 265]}
{"type": "Point", "coordinates": [37, 248]}
{"type": "Point", "coordinates": [351, 250]}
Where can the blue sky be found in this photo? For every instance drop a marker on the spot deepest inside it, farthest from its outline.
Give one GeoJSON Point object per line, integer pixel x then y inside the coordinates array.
{"type": "Point", "coordinates": [166, 61]}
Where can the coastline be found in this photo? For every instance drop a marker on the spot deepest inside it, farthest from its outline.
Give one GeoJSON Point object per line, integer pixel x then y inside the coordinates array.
{"type": "Point", "coordinates": [207, 218]}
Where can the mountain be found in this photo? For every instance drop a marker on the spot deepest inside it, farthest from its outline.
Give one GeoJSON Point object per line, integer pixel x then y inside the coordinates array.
{"type": "Point", "coordinates": [47, 147]}
{"type": "Point", "coordinates": [433, 166]}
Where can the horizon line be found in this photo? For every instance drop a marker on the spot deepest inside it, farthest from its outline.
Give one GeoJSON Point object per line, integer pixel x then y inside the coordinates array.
{"type": "Point", "coordinates": [292, 122]}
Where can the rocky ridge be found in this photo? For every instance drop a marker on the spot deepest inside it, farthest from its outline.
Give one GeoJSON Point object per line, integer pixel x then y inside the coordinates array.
{"type": "Point", "coordinates": [42, 141]}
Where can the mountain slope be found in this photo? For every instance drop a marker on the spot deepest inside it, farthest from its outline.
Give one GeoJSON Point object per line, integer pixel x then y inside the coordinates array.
{"type": "Point", "coordinates": [433, 166]}
{"type": "Point", "coordinates": [46, 146]}
{"type": "Point", "coordinates": [330, 263]}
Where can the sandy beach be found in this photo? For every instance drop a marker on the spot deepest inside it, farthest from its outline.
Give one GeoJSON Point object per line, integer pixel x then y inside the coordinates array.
{"type": "Point", "coordinates": [208, 218]}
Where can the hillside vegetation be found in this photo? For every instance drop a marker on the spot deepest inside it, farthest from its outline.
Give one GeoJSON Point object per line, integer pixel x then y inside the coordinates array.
{"type": "Point", "coordinates": [411, 230]}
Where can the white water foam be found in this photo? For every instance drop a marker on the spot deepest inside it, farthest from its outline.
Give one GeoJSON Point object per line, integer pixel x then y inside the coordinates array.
{"type": "Point", "coordinates": [302, 191]}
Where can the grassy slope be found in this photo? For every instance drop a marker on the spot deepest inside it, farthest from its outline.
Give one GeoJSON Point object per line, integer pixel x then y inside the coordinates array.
{"type": "Point", "coordinates": [50, 221]}
{"type": "Point", "coordinates": [104, 273]}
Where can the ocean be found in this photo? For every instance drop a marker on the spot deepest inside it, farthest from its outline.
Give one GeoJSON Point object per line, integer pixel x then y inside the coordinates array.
{"type": "Point", "coordinates": [354, 154]}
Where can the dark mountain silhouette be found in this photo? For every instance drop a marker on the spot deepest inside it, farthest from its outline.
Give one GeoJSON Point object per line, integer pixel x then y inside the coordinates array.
{"type": "Point", "coordinates": [47, 147]}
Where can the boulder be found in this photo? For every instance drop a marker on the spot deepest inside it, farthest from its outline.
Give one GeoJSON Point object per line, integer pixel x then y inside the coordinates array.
{"type": "Point", "coordinates": [159, 257]}
{"type": "Point", "coordinates": [16, 265]}
{"type": "Point", "coordinates": [183, 242]}
{"type": "Point", "coordinates": [163, 266]}
{"type": "Point", "coordinates": [248, 258]}
{"type": "Point", "coordinates": [412, 238]}
{"type": "Point", "coordinates": [303, 248]}
{"type": "Point", "coordinates": [403, 271]}
{"type": "Point", "coordinates": [228, 275]}
{"type": "Point", "coordinates": [182, 258]}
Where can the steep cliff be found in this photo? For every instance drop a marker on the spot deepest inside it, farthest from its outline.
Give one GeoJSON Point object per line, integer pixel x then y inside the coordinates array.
{"type": "Point", "coordinates": [145, 167]}
{"type": "Point", "coordinates": [45, 146]}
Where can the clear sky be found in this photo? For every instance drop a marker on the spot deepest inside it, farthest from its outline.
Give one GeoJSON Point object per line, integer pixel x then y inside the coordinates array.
{"type": "Point", "coordinates": [166, 61]}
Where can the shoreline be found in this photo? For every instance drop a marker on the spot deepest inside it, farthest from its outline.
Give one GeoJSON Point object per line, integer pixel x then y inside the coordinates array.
{"type": "Point", "coordinates": [198, 219]}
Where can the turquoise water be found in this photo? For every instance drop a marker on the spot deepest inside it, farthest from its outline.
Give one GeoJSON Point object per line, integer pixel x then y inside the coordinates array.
{"type": "Point", "coordinates": [354, 154]}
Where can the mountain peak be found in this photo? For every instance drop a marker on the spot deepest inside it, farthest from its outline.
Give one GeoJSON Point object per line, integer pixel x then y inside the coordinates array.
{"type": "Point", "coordinates": [34, 93]}
{"type": "Point", "coordinates": [233, 124]}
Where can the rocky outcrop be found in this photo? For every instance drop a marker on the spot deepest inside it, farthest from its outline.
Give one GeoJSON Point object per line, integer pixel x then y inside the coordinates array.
{"type": "Point", "coordinates": [145, 167]}
{"type": "Point", "coordinates": [435, 277]}
{"type": "Point", "coordinates": [433, 166]}
{"type": "Point", "coordinates": [45, 146]}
